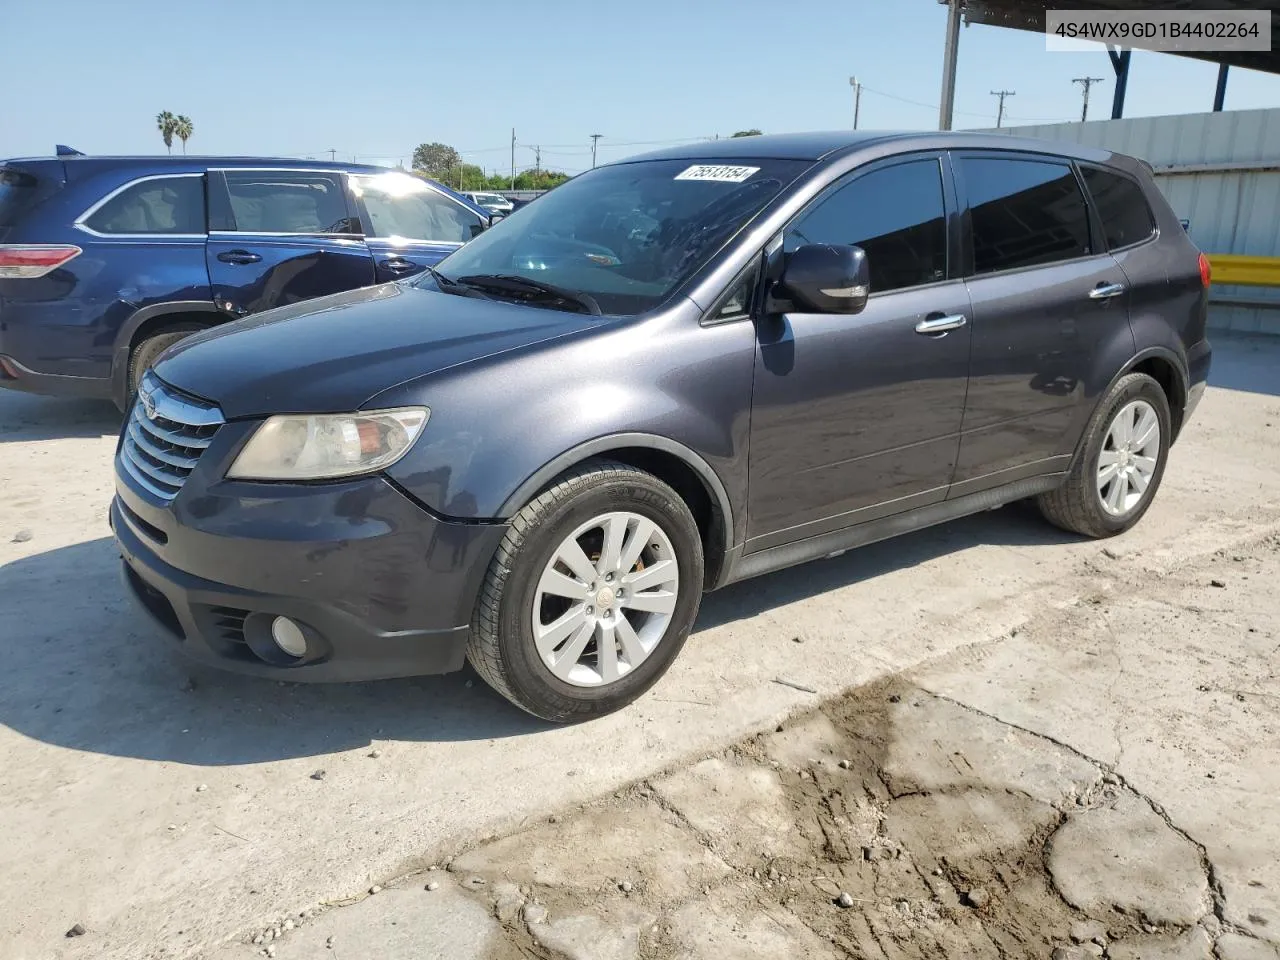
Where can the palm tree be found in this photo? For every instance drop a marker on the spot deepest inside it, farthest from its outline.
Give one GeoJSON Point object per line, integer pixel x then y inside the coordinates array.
{"type": "Point", "coordinates": [167, 123]}
{"type": "Point", "coordinates": [183, 129]}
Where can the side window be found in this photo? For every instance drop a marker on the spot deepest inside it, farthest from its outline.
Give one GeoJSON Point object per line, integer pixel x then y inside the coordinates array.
{"type": "Point", "coordinates": [160, 205]}
{"type": "Point", "coordinates": [896, 214]}
{"type": "Point", "coordinates": [288, 202]}
{"type": "Point", "coordinates": [1024, 212]}
{"type": "Point", "coordinates": [405, 207]}
{"type": "Point", "coordinates": [1126, 217]}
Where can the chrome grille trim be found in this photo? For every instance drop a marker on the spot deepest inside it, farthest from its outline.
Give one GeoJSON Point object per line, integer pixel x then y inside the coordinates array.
{"type": "Point", "coordinates": [165, 435]}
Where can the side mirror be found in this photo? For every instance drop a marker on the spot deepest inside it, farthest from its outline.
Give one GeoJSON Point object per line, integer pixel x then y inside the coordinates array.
{"type": "Point", "coordinates": [828, 278]}
{"type": "Point", "coordinates": [494, 218]}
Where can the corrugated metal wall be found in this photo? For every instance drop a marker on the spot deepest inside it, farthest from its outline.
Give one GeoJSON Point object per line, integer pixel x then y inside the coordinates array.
{"type": "Point", "coordinates": [1231, 211]}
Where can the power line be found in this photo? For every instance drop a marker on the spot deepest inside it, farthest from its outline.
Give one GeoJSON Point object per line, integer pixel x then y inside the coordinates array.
{"type": "Point", "coordinates": [1000, 112]}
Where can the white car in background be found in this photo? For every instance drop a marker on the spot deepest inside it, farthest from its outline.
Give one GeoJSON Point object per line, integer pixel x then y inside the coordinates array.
{"type": "Point", "coordinates": [493, 202]}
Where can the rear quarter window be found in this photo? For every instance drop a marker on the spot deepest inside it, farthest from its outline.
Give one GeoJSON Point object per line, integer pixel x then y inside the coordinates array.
{"type": "Point", "coordinates": [156, 205]}
{"type": "Point", "coordinates": [1126, 216]}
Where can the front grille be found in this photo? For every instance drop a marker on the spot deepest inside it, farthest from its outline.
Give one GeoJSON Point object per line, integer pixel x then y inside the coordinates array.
{"type": "Point", "coordinates": [164, 437]}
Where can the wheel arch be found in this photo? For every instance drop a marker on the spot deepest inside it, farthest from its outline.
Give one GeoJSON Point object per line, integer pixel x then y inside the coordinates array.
{"type": "Point", "coordinates": [1167, 369]}
{"type": "Point", "coordinates": [146, 321]}
{"type": "Point", "coordinates": [681, 468]}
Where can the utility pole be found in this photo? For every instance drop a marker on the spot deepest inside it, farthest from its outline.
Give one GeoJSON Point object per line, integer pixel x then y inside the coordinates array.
{"type": "Point", "coordinates": [594, 138]}
{"type": "Point", "coordinates": [857, 99]}
{"type": "Point", "coordinates": [332, 154]}
{"type": "Point", "coordinates": [1086, 83]}
{"type": "Point", "coordinates": [537, 161]}
{"type": "Point", "coordinates": [1000, 112]}
{"type": "Point", "coordinates": [949, 57]}
{"type": "Point", "coordinates": [513, 158]}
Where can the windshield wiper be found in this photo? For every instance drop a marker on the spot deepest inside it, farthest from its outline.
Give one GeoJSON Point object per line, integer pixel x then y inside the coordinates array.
{"type": "Point", "coordinates": [453, 286]}
{"type": "Point", "coordinates": [511, 283]}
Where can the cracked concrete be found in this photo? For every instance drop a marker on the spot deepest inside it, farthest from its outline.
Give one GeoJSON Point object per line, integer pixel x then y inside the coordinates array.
{"type": "Point", "coordinates": [1051, 662]}
{"type": "Point", "coordinates": [958, 810]}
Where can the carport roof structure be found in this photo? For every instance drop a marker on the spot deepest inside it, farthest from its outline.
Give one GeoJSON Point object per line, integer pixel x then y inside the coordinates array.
{"type": "Point", "coordinates": [1030, 15]}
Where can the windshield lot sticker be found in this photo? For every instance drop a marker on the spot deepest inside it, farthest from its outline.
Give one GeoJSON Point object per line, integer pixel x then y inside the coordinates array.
{"type": "Point", "coordinates": [716, 171]}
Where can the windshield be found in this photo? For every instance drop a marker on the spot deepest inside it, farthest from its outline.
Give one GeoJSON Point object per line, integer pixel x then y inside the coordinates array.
{"type": "Point", "coordinates": [629, 234]}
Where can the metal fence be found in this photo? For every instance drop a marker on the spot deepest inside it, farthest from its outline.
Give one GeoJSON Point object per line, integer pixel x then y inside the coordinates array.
{"type": "Point", "coordinates": [1221, 173]}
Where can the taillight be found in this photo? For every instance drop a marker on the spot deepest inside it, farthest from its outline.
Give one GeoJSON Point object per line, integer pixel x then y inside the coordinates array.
{"type": "Point", "coordinates": [33, 259]}
{"type": "Point", "coordinates": [1206, 272]}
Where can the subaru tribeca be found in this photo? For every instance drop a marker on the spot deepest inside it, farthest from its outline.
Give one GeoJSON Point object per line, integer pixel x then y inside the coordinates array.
{"type": "Point", "coordinates": [667, 375]}
{"type": "Point", "coordinates": [106, 261]}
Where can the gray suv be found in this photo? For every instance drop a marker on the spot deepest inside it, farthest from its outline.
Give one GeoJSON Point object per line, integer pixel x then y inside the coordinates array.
{"type": "Point", "coordinates": [669, 374]}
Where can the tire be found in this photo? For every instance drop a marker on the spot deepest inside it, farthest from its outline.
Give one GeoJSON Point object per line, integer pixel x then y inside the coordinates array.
{"type": "Point", "coordinates": [144, 354]}
{"type": "Point", "coordinates": [1078, 505]}
{"type": "Point", "coordinates": [502, 645]}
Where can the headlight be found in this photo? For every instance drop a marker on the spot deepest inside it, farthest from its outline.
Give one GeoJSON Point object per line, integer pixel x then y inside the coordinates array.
{"type": "Point", "coordinates": [295, 447]}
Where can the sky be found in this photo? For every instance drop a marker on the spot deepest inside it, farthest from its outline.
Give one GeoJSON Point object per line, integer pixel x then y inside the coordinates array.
{"type": "Point", "coordinates": [371, 81]}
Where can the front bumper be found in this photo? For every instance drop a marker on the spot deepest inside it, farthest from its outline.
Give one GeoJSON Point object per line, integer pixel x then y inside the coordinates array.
{"type": "Point", "coordinates": [381, 587]}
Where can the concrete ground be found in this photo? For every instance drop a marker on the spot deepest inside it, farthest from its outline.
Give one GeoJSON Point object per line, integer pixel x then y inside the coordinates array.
{"type": "Point", "coordinates": [1029, 751]}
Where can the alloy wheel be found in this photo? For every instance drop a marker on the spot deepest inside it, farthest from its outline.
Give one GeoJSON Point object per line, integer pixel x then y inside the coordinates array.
{"type": "Point", "coordinates": [605, 599]}
{"type": "Point", "coordinates": [1128, 459]}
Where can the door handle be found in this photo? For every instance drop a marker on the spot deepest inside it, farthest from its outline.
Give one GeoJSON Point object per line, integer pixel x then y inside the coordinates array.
{"type": "Point", "coordinates": [940, 326]}
{"type": "Point", "coordinates": [397, 264]}
{"type": "Point", "coordinates": [239, 256]}
{"type": "Point", "coordinates": [1105, 291]}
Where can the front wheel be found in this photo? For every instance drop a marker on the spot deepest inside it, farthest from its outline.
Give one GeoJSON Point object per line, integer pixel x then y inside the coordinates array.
{"type": "Point", "coordinates": [1120, 464]}
{"type": "Point", "coordinates": [591, 595]}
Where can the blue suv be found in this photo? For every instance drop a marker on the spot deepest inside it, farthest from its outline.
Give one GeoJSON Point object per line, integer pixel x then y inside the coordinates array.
{"type": "Point", "coordinates": [107, 261]}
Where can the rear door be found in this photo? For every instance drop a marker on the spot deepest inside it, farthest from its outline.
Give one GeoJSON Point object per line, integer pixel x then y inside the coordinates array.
{"type": "Point", "coordinates": [280, 236]}
{"type": "Point", "coordinates": [1046, 297]}
{"type": "Point", "coordinates": [409, 224]}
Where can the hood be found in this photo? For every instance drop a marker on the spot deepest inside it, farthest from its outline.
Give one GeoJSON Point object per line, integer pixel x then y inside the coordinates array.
{"type": "Point", "coordinates": [333, 354]}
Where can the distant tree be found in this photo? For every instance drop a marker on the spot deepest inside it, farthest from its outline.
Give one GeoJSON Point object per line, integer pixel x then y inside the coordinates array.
{"type": "Point", "coordinates": [437, 160]}
{"type": "Point", "coordinates": [183, 128]}
{"type": "Point", "coordinates": [526, 180]}
{"type": "Point", "coordinates": [167, 124]}
{"type": "Point", "coordinates": [748, 133]}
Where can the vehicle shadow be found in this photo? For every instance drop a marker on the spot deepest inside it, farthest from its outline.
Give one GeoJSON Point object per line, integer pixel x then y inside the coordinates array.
{"type": "Point", "coordinates": [1247, 362]}
{"type": "Point", "coordinates": [24, 416]}
{"type": "Point", "coordinates": [1017, 525]}
{"type": "Point", "coordinates": [85, 670]}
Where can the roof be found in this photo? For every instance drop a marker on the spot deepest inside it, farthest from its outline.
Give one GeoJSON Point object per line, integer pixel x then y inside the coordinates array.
{"type": "Point", "coordinates": [818, 146]}
{"type": "Point", "coordinates": [775, 146]}
{"type": "Point", "coordinates": [1029, 15]}
{"type": "Point", "coordinates": [178, 162]}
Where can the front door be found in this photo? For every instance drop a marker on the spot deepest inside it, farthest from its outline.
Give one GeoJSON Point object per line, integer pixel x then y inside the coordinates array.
{"type": "Point", "coordinates": [410, 225]}
{"type": "Point", "coordinates": [280, 236]}
{"type": "Point", "coordinates": [858, 416]}
{"type": "Point", "coordinates": [1046, 297]}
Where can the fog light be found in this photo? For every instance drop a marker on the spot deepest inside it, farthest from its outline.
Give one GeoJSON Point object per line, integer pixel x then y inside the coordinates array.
{"type": "Point", "coordinates": [288, 636]}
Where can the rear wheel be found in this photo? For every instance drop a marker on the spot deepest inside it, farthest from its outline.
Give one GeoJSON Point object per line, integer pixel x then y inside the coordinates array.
{"type": "Point", "coordinates": [591, 595]}
{"type": "Point", "coordinates": [1121, 463]}
{"type": "Point", "coordinates": [145, 352]}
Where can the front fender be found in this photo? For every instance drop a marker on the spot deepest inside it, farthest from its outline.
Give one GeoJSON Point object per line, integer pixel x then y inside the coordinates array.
{"type": "Point", "coordinates": [501, 429]}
